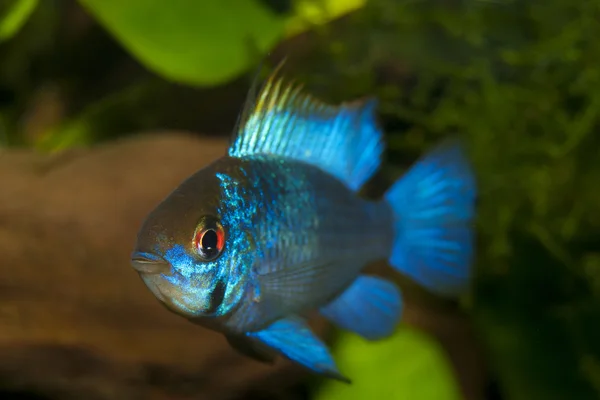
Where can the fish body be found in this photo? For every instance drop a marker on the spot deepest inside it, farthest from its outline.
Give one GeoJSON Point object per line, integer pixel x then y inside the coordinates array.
{"type": "Point", "coordinates": [275, 229]}
{"type": "Point", "coordinates": [283, 218]}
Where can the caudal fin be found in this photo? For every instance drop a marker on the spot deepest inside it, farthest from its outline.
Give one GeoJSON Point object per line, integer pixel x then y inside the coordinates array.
{"type": "Point", "coordinates": [434, 206]}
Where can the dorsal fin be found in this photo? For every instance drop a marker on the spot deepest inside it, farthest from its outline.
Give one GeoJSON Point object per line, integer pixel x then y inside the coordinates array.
{"type": "Point", "coordinates": [250, 101]}
{"type": "Point", "coordinates": [343, 140]}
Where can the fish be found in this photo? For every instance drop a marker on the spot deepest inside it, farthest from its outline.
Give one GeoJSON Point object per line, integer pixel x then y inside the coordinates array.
{"type": "Point", "coordinates": [276, 229]}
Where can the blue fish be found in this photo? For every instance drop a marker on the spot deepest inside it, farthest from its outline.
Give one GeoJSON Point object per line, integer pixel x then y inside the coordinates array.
{"type": "Point", "coordinates": [275, 229]}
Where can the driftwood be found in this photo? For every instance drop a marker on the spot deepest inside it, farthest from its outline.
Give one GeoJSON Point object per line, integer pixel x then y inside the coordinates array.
{"type": "Point", "coordinates": [75, 319]}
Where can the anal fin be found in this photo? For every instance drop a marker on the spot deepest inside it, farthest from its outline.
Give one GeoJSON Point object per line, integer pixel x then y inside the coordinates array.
{"type": "Point", "coordinates": [370, 307]}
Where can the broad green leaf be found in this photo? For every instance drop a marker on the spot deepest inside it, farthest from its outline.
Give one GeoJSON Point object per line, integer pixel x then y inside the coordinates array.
{"type": "Point", "coordinates": [191, 41]}
{"type": "Point", "coordinates": [408, 365]}
{"type": "Point", "coordinates": [207, 42]}
{"type": "Point", "coordinates": [309, 13]}
{"type": "Point", "coordinates": [13, 15]}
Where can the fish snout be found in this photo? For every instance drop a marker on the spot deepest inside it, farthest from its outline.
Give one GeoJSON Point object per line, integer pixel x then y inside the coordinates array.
{"type": "Point", "coordinates": [147, 263]}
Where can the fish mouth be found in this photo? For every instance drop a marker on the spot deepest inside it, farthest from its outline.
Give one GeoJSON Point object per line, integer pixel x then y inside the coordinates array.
{"type": "Point", "coordinates": [148, 263]}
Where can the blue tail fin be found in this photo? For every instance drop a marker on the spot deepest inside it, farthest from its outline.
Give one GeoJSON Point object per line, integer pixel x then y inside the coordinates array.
{"type": "Point", "coordinates": [434, 206]}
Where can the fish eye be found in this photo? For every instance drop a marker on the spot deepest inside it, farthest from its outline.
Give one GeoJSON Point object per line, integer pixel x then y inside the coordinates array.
{"type": "Point", "coordinates": [209, 239]}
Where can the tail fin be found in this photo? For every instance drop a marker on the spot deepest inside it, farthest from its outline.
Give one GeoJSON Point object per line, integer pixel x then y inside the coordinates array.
{"type": "Point", "coordinates": [434, 206]}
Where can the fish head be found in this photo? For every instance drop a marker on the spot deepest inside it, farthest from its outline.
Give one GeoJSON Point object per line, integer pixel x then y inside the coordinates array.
{"type": "Point", "coordinates": [188, 250]}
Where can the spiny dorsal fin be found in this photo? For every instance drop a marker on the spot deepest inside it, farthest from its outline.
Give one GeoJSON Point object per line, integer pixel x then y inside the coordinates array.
{"type": "Point", "coordinates": [343, 140]}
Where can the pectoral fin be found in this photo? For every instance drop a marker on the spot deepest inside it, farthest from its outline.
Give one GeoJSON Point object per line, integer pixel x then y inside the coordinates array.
{"type": "Point", "coordinates": [293, 339]}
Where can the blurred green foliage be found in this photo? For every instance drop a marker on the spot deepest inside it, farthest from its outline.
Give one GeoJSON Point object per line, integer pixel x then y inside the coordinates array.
{"type": "Point", "coordinates": [520, 80]}
{"type": "Point", "coordinates": [13, 14]}
{"type": "Point", "coordinates": [205, 42]}
{"type": "Point", "coordinates": [180, 40]}
{"type": "Point", "coordinates": [408, 365]}
{"type": "Point", "coordinates": [187, 42]}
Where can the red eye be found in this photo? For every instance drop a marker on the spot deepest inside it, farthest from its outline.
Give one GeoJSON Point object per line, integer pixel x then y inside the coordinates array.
{"type": "Point", "coordinates": [210, 239]}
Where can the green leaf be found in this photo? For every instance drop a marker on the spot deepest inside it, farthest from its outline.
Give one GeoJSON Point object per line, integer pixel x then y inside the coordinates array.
{"type": "Point", "coordinates": [13, 16]}
{"type": "Point", "coordinates": [191, 41]}
{"type": "Point", "coordinates": [206, 43]}
{"type": "Point", "coordinates": [408, 365]}
{"type": "Point", "coordinates": [309, 13]}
